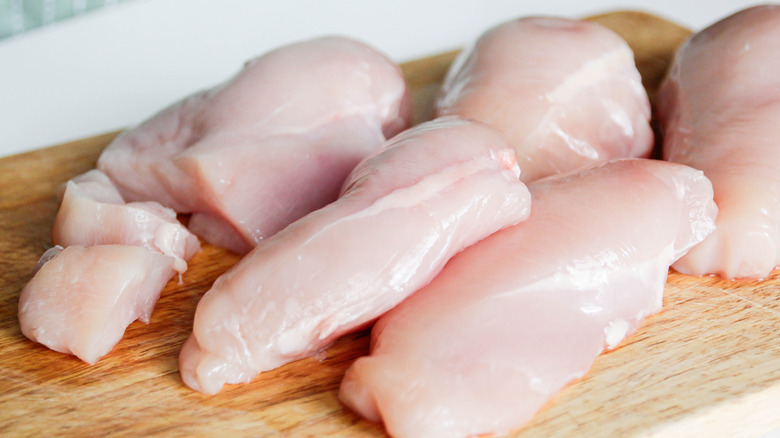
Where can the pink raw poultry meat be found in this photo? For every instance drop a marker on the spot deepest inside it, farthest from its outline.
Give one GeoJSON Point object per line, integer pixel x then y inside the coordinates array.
{"type": "Point", "coordinates": [565, 93]}
{"type": "Point", "coordinates": [719, 107]}
{"type": "Point", "coordinates": [429, 193]}
{"type": "Point", "coordinates": [117, 260]}
{"type": "Point", "coordinates": [82, 299]}
{"type": "Point", "coordinates": [92, 212]}
{"type": "Point", "coordinates": [272, 144]}
{"type": "Point", "coordinates": [512, 319]}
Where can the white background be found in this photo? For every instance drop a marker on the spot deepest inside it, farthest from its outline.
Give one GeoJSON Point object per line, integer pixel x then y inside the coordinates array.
{"type": "Point", "coordinates": [112, 68]}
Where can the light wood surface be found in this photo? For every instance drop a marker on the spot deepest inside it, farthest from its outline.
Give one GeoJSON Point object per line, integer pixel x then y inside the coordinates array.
{"type": "Point", "coordinates": [707, 365]}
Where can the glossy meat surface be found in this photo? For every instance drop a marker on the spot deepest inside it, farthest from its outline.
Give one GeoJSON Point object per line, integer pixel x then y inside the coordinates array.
{"type": "Point", "coordinates": [92, 212]}
{"type": "Point", "coordinates": [405, 211]}
{"type": "Point", "coordinates": [719, 107]}
{"type": "Point", "coordinates": [274, 143]}
{"type": "Point", "coordinates": [514, 318]}
{"type": "Point", "coordinates": [82, 299]}
{"type": "Point", "coordinates": [565, 93]}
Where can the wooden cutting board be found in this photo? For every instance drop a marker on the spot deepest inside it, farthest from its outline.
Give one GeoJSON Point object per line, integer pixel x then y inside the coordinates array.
{"type": "Point", "coordinates": [707, 365]}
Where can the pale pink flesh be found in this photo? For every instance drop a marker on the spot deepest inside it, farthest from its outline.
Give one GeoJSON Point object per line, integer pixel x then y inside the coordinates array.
{"type": "Point", "coordinates": [92, 212]}
{"type": "Point", "coordinates": [512, 319]}
{"type": "Point", "coordinates": [82, 299]}
{"type": "Point", "coordinates": [429, 193]}
{"type": "Point", "coordinates": [274, 143]}
{"type": "Point", "coordinates": [719, 107]}
{"type": "Point", "coordinates": [565, 93]}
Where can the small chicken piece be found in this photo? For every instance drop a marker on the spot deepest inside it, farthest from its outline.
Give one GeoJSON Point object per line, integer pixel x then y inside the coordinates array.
{"type": "Point", "coordinates": [92, 212]}
{"type": "Point", "coordinates": [429, 193]}
{"type": "Point", "coordinates": [276, 142]}
{"type": "Point", "coordinates": [719, 107]}
{"type": "Point", "coordinates": [514, 318]}
{"type": "Point", "coordinates": [565, 93]}
{"type": "Point", "coordinates": [82, 299]}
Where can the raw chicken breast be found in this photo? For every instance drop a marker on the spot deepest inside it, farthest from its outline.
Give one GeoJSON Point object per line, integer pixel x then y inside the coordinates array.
{"type": "Point", "coordinates": [432, 191]}
{"type": "Point", "coordinates": [565, 93]}
{"type": "Point", "coordinates": [719, 107]}
{"type": "Point", "coordinates": [513, 319]}
{"type": "Point", "coordinates": [117, 260]}
{"type": "Point", "coordinates": [92, 212]}
{"type": "Point", "coordinates": [274, 143]}
{"type": "Point", "coordinates": [82, 299]}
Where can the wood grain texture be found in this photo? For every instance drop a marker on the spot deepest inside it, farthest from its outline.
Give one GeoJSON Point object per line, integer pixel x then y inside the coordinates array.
{"type": "Point", "coordinates": [707, 365]}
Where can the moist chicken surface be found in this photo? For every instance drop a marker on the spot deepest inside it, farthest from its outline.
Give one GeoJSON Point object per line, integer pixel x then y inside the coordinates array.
{"type": "Point", "coordinates": [405, 211]}
{"type": "Point", "coordinates": [512, 319]}
{"type": "Point", "coordinates": [117, 259]}
{"type": "Point", "coordinates": [251, 156]}
{"type": "Point", "coordinates": [719, 107]}
{"type": "Point", "coordinates": [565, 93]}
{"type": "Point", "coordinates": [81, 299]}
{"type": "Point", "coordinates": [92, 212]}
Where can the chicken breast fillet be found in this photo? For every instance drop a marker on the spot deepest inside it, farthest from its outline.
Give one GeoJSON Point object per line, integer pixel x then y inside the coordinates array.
{"type": "Point", "coordinates": [719, 106]}
{"type": "Point", "coordinates": [514, 318]}
{"type": "Point", "coordinates": [82, 299]}
{"type": "Point", "coordinates": [92, 212]}
{"type": "Point", "coordinates": [565, 93]}
{"type": "Point", "coordinates": [274, 143]}
{"type": "Point", "coordinates": [405, 211]}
